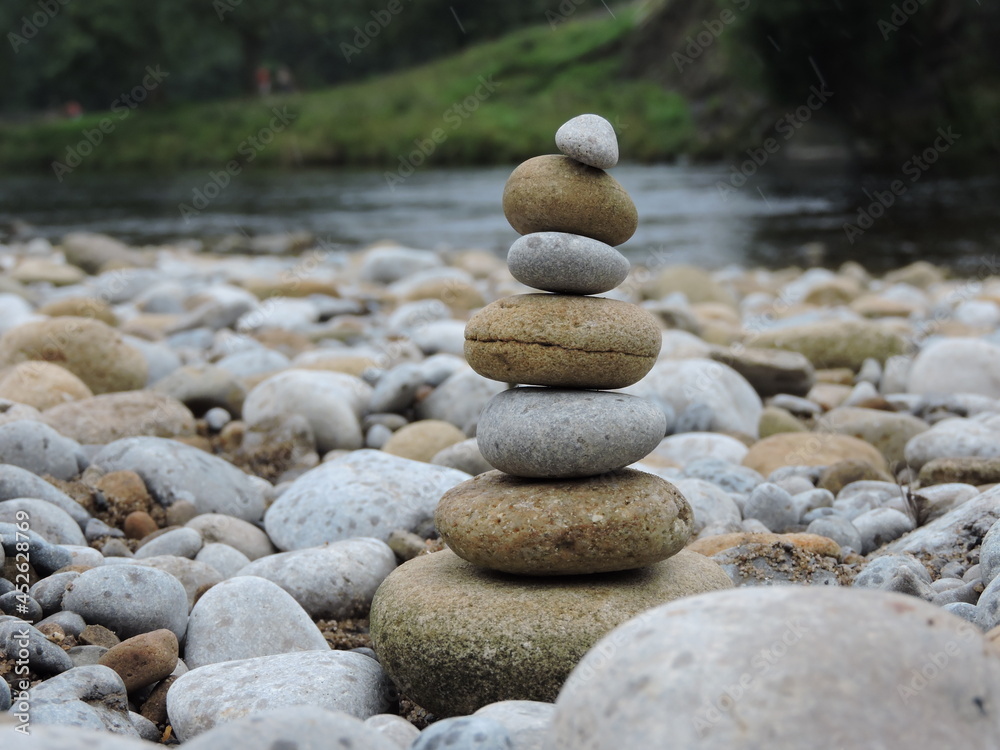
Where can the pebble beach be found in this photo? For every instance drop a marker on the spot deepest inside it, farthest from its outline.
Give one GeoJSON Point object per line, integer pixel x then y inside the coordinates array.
{"type": "Point", "coordinates": [243, 503]}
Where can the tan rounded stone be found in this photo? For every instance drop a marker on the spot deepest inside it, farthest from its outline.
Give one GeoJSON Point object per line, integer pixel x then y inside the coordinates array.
{"type": "Point", "coordinates": [562, 341]}
{"type": "Point", "coordinates": [139, 524]}
{"type": "Point", "coordinates": [815, 543]}
{"type": "Point", "coordinates": [80, 307]}
{"type": "Point", "coordinates": [90, 349]}
{"type": "Point", "coordinates": [143, 659]}
{"type": "Point", "coordinates": [812, 449]}
{"type": "Point", "coordinates": [617, 521]}
{"type": "Point", "coordinates": [456, 637]}
{"type": "Point", "coordinates": [103, 419]}
{"type": "Point", "coordinates": [555, 193]}
{"type": "Point", "coordinates": [41, 385]}
{"type": "Point", "coordinates": [420, 441]}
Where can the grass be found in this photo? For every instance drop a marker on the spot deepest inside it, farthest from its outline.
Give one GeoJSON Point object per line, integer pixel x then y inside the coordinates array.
{"type": "Point", "coordinates": [538, 78]}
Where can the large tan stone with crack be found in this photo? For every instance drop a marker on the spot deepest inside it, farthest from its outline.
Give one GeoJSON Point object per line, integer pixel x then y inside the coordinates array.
{"type": "Point", "coordinates": [554, 193]}
{"type": "Point", "coordinates": [562, 340]}
{"type": "Point", "coordinates": [41, 384]}
{"type": "Point", "coordinates": [616, 521]}
{"type": "Point", "coordinates": [812, 449]}
{"type": "Point", "coordinates": [455, 637]}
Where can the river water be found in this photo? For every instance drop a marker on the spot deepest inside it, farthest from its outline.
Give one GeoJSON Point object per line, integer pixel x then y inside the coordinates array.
{"type": "Point", "coordinates": [782, 217]}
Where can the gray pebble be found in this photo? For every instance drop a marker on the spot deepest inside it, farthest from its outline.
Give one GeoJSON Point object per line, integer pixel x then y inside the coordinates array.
{"type": "Point", "coordinates": [129, 599]}
{"type": "Point", "coordinates": [839, 529]}
{"type": "Point", "coordinates": [526, 721]}
{"type": "Point", "coordinates": [772, 506]}
{"type": "Point", "coordinates": [377, 436]}
{"type": "Point", "coordinates": [71, 623]}
{"type": "Point", "coordinates": [696, 417]}
{"type": "Point", "coordinates": [216, 418]}
{"type": "Point", "coordinates": [901, 573]}
{"type": "Point", "coordinates": [753, 526]}
{"type": "Point", "coordinates": [49, 521]}
{"type": "Point", "coordinates": [45, 557]}
{"type": "Point", "coordinates": [86, 556]}
{"type": "Point", "coordinates": [394, 728]}
{"type": "Point", "coordinates": [245, 617]}
{"type": "Point", "coordinates": [4, 695]}
{"type": "Point", "coordinates": [392, 421]}
{"type": "Point", "coordinates": [989, 554]}
{"type": "Point", "coordinates": [713, 508]}
{"type": "Point", "coordinates": [334, 581]}
{"type": "Point", "coordinates": [879, 526]}
{"type": "Point", "coordinates": [183, 542]}
{"type": "Point", "coordinates": [38, 448]}
{"type": "Point", "coordinates": [590, 139]}
{"type": "Point", "coordinates": [335, 680]}
{"type": "Point", "coordinates": [988, 606]}
{"type": "Point", "coordinates": [967, 612]}
{"type": "Point", "coordinates": [92, 697]}
{"type": "Point", "coordinates": [966, 592]}
{"type": "Point", "coordinates": [17, 482]}
{"type": "Point", "coordinates": [460, 399]}
{"type": "Point", "coordinates": [557, 432]}
{"type": "Point", "coordinates": [239, 534]}
{"type": "Point", "coordinates": [97, 529]}
{"type": "Point", "coordinates": [974, 572]}
{"type": "Point", "coordinates": [225, 559]}
{"type": "Point", "coordinates": [464, 456]}
{"type": "Point", "coordinates": [566, 263]}
{"type": "Point", "coordinates": [44, 656]}
{"type": "Point", "coordinates": [19, 605]}
{"type": "Point", "coordinates": [86, 656]}
{"type": "Point", "coordinates": [471, 732]}
{"type": "Point", "coordinates": [116, 548]}
{"type": "Point", "coordinates": [195, 577]}
{"type": "Point", "coordinates": [796, 485]}
{"type": "Point", "coordinates": [147, 730]}
{"type": "Point", "coordinates": [397, 388]}
{"type": "Point", "coordinates": [730, 477]}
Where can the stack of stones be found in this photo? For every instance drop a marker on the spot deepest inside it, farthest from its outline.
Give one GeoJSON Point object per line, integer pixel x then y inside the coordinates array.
{"type": "Point", "coordinates": [562, 502]}
{"type": "Point", "coordinates": [562, 543]}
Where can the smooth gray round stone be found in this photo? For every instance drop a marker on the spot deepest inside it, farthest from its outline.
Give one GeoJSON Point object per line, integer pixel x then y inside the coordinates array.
{"type": "Point", "coordinates": [39, 448]}
{"type": "Point", "coordinates": [45, 557]}
{"type": "Point", "coordinates": [464, 456]}
{"type": "Point", "coordinates": [225, 559]}
{"type": "Point", "coordinates": [17, 604]}
{"type": "Point", "coordinates": [97, 529]}
{"type": "Point", "coordinates": [335, 680]}
{"type": "Point", "coordinates": [195, 577]}
{"type": "Point", "coordinates": [396, 389]}
{"type": "Point", "coordinates": [216, 418]}
{"type": "Point", "coordinates": [91, 697]}
{"type": "Point", "coordinates": [4, 695]}
{"type": "Point", "coordinates": [246, 617]}
{"type": "Point", "coordinates": [713, 508]}
{"type": "Point", "coordinates": [729, 476]}
{"type": "Point", "coordinates": [147, 730]}
{"type": "Point", "coordinates": [394, 728]}
{"type": "Point", "coordinates": [129, 599]}
{"type": "Point", "coordinates": [239, 534]}
{"type": "Point", "coordinates": [86, 656]}
{"type": "Point", "coordinates": [44, 656]}
{"type": "Point", "coordinates": [589, 139]}
{"type": "Point", "coordinates": [966, 611]}
{"type": "Point", "coordinates": [566, 263]}
{"type": "Point", "coordinates": [880, 525]}
{"type": "Point", "coordinates": [467, 732]}
{"type": "Point", "coordinates": [837, 528]}
{"type": "Point", "coordinates": [526, 721]}
{"type": "Point", "coordinates": [17, 482]}
{"type": "Point", "coordinates": [772, 506]}
{"type": "Point", "coordinates": [377, 435]}
{"type": "Point", "coordinates": [174, 471]}
{"type": "Point", "coordinates": [49, 521]}
{"type": "Point", "coordinates": [71, 623]}
{"type": "Point", "coordinates": [55, 737]}
{"type": "Point", "coordinates": [988, 607]}
{"type": "Point", "coordinates": [562, 433]}
{"type": "Point", "coordinates": [989, 554]}
{"type": "Point", "coordinates": [301, 727]}
{"type": "Point", "coordinates": [765, 667]}
{"type": "Point", "coordinates": [185, 542]}
{"type": "Point", "coordinates": [331, 582]}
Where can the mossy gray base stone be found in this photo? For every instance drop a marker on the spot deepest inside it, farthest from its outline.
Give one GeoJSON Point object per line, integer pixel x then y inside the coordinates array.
{"type": "Point", "coordinates": [455, 637]}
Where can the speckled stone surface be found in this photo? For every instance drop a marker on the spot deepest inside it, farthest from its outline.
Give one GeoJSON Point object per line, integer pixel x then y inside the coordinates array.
{"type": "Point", "coordinates": [455, 637]}
{"type": "Point", "coordinates": [618, 521]}
{"type": "Point", "coordinates": [562, 341]}
{"type": "Point", "coordinates": [557, 433]}
{"type": "Point", "coordinates": [566, 263]}
{"type": "Point", "coordinates": [589, 139]}
{"type": "Point", "coordinates": [555, 193]}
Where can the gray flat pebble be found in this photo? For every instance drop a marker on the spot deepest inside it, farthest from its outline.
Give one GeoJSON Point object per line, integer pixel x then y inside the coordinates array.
{"type": "Point", "coordinates": [17, 604]}
{"type": "Point", "coordinates": [471, 732]}
{"type": "Point", "coordinates": [91, 697]}
{"type": "Point", "coordinates": [566, 263]}
{"type": "Point", "coordinates": [56, 737]}
{"type": "Point", "coordinates": [45, 557]}
{"type": "Point", "coordinates": [557, 432]}
{"type": "Point", "coordinates": [86, 656]}
{"type": "Point", "coordinates": [967, 612]}
{"type": "Point", "coordinates": [71, 623]}
{"type": "Point", "coordinates": [590, 139]}
{"type": "Point", "coordinates": [43, 656]}
{"type": "Point", "coordinates": [988, 606]}
{"type": "Point", "coordinates": [335, 680]}
{"type": "Point", "coordinates": [772, 506]}
{"type": "Point", "coordinates": [17, 482]}
{"type": "Point", "coordinates": [396, 729]}
{"type": "Point", "coordinates": [129, 599]}
{"type": "Point", "coordinates": [49, 521]}
{"type": "Point", "coordinates": [839, 529]}
{"type": "Point", "coordinates": [397, 388]}
{"type": "Point", "coordinates": [237, 533]}
{"type": "Point", "coordinates": [527, 722]}
{"type": "Point", "coordinates": [195, 577]}
{"type": "Point", "coordinates": [248, 617]}
{"type": "Point", "coordinates": [879, 526]}
{"type": "Point", "coordinates": [97, 529]}
{"type": "Point", "coordinates": [4, 695]}
{"type": "Point", "coordinates": [334, 581]}
{"type": "Point", "coordinates": [39, 448]}
{"type": "Point", "coordinates": [989, 554]}
{"type": "Point", "coordinates": [184, 542]}
{"type": "Point", "coordinates": [225, 559]}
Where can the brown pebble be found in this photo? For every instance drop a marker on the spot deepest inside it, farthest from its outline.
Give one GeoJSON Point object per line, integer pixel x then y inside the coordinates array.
{"type": "Point", "coordinates": [124, 488]}
{"type": "Point", "coordinates": [842, 473]}
{"type": "Point", "coordinates": [143, 659]}
{"type": "Point", "coordinates": [155, 707]}
{"type": "Point", "coordinates": [98, 635]}
{"type": "Point", "coordinates": [53, 631]}
{"type": "Point", "coordinates": [139, 524]}
{"type": "Point", "coordinates": [181, 512]}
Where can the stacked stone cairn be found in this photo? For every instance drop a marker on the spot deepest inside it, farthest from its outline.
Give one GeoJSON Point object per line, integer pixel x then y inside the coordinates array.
{"type": "Point", "coordinates": [561, 542]}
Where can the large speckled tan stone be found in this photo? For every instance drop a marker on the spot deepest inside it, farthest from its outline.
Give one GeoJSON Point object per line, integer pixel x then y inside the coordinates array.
{"type": "Point", "coordinates": [423, 439]}
{"type": "Point", "coordinates": [562, 341]}
{"type": "Point", "coordinates": [41, 384]}
{"type": "Point", "coordinates": [812, 449]}
{"type": "Point", "coordinates": [617, 521]}
{"type": "Point", "coordinates": [93, 351]}
{"type": "Point", "coordinates": [555, 193]}
{"type": "Point", "coordinates": [455, 637]}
